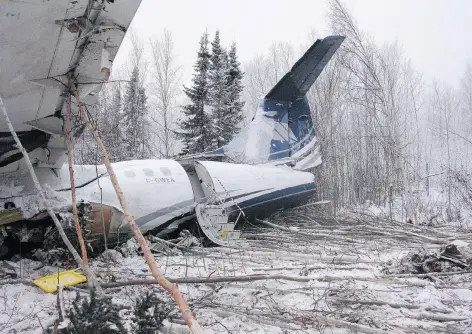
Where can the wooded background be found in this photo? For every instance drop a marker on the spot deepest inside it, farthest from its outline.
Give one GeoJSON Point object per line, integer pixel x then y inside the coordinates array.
{"type": "Point", "coordinates": [386, 134]}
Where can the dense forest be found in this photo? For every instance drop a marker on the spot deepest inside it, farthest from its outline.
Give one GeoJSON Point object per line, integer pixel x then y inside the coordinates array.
{"type": "Point", "coordinates": [386, 134]}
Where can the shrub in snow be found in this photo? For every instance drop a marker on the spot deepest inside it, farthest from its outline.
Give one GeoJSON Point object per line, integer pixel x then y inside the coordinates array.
{"type": "Point", "coordinates": [150, 312]}
{"type": "Point", "coordinates": [94, 315]}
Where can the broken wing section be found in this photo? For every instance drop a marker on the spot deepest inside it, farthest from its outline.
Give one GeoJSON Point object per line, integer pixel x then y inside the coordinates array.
{"type": "Point", "coordinates": [47, 43]}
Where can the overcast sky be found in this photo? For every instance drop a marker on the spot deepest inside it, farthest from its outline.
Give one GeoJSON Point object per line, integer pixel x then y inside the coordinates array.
{"type": "Point", "coordinates": [434, 34]}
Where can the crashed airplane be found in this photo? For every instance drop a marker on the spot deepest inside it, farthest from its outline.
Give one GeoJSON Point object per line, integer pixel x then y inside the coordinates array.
{"type": "Point", "coordinates": [54, 44]}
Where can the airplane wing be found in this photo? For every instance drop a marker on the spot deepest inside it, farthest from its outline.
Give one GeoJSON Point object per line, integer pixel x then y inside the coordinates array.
{"type": "Point", "coordinates": [42, 42]}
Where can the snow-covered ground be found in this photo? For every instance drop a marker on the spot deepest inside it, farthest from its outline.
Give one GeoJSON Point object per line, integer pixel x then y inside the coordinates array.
{"type": "Point", "coordinates": [326, 276]}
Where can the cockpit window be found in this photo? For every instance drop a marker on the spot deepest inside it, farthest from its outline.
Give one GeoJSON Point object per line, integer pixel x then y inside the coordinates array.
{"type": "Point", "coordinates": [166, 171]}
{"type": "Point", "coordinates": [148, 172]}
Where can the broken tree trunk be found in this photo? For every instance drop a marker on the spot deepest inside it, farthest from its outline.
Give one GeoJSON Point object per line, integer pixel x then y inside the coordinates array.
{"type": "Point", "coordinates": [345, 324]}
{"type": "Point", "coordinates": [311, 235]}
{"type": "Point", "coordinates": [72, 182]}
{"type": "Point", "coordinates": [259, 319]}
{"type": "Point", "coordinates": [261, 277]}
{"type": "Point", "coordinates": [161, 280]}
{"type": "Point", "coordinates": [92, 280]}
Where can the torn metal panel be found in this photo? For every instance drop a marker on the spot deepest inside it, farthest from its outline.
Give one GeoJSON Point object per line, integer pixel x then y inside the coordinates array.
{"type": "Point", "coordinates": [102, 219]}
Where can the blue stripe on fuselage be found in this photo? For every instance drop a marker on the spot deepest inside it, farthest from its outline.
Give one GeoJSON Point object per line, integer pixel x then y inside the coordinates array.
{"type": "Point", "coordinates": [266, 204]}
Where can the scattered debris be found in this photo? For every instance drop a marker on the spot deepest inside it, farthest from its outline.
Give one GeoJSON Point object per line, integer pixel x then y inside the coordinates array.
{"type": "Point", "coordinates": [187, 239]}
{"type": "Point", "coordinates": [464, 250]}
{"type": "Point", "coordinates": [130, 248]}
{"type": "Point", "coordinates": [453, 257]}
{"type": "Point", "coordinates": [112, 256]}
{"type": "Point", "coordinates": [313, 284]}
{"type": "Point", "coordinates": [54, 257]}
{"type": "Point", "coordinates": [65, 278]}
{"type": "Point", "coordinates": [21, 268]}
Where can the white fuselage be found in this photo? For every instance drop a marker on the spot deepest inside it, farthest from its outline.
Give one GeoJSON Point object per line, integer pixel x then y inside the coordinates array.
{"type": "Point", "coordinates": [158, 192]}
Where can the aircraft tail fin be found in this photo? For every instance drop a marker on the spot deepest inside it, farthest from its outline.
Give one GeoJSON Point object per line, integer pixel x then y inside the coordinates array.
{"type": "Point", "coordinates": [282, 128]}
{"type": "Point", "coordinates": [306, 70]}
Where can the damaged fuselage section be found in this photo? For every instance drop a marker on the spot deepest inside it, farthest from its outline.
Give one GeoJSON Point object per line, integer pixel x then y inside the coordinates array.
{"type": "Point", "coordinates": [208, 197]}
{"type": "Point", "coordinates": [39, 238]}
{"type": "Point", "coordinates": [23, 218]}
{"type": "Point", "coordinates": [58, 49]}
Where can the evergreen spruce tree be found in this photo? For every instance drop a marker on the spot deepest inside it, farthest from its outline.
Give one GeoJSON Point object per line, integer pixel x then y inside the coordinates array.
{"type": "Point", "coordinates": [135, 125]}
{"type": "Point", "coordinates": [150, 311]}
{"type": "Point", "coordinates": [218, 76]}
{"type": "Point", "coordinates": [234, 110]}
{"type": "Point", "coordinates": [196, 128]}
{"type": "Point", "coordinates": [97, 315]}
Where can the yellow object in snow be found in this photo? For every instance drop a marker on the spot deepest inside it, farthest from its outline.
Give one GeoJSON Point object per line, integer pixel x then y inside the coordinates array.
{"type": "Point", "coordinates": [65, 278]}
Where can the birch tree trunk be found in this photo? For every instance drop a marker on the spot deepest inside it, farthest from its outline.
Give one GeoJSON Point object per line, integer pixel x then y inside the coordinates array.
{"type": "Point", "coordinates": [161, 280]}
{"type": "Point", "coordinates": [72, 183]}
{"type": "Point", "coordinates": [166, 78]}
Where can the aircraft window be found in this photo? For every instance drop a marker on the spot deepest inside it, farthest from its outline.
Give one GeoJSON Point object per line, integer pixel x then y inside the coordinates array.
{"type": "Point", "coordinates": [129, 173]}
{"type": "Point", "coordinates": [166, 171]}
{"type": "Point", "coordinates": [148, 172]}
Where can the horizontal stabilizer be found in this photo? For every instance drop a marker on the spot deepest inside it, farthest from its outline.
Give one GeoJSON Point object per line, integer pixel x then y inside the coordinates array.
{"type": "Point", "coordinates": [306, 70]}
